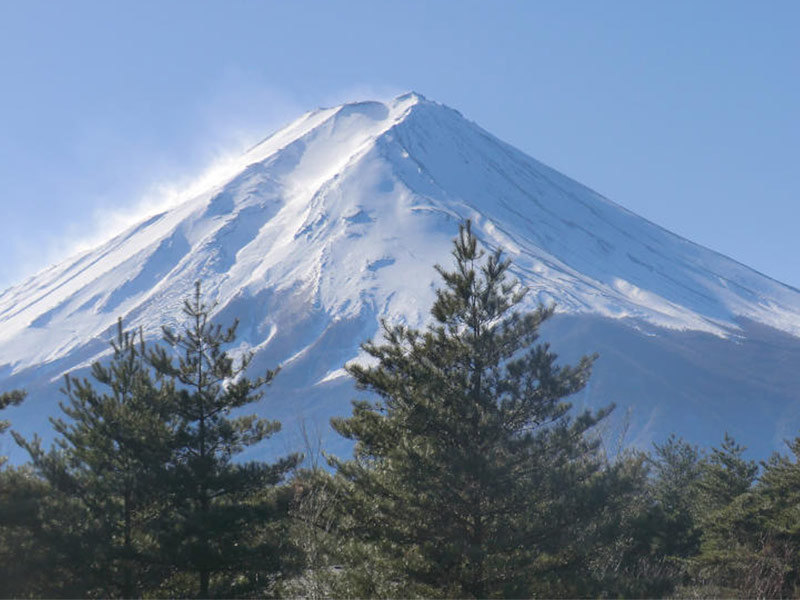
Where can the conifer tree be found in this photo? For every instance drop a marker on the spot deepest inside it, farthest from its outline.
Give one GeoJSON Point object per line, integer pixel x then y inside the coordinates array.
{"type": "Point", "coordinates": [723, 476]}
{"type": "Point", "coordinates": [728, 547]}
{"type": "Point", "coordinates": [770, 518]}
{"type": "Point", "coordinates": [225, 516]}
{"type": "Point", "coordinates": [106, 471]}
{"type": "Point", "coordinates": [468, 470]}
{"type": "Point", "coordinates": [676, 474]}
{"type": "Point", "coordinates": [622, 556]}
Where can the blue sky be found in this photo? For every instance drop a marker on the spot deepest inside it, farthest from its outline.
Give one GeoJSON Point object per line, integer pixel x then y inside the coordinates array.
{"type": "Point", "coordinates": [687, 113]}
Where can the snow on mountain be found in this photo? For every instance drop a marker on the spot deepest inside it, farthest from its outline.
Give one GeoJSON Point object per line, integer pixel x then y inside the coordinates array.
{"type": "Point", "coordinates": [336, 220]}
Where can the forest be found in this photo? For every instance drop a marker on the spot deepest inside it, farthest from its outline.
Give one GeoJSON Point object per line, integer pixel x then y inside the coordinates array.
{"type": "Point", "coordinates": [472, 476]}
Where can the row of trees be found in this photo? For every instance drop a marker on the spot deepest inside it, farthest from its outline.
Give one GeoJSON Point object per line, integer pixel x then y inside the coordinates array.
{"type": "Point", "coordinates": [471, 477]}
{"type": "Point", "coordinates": [141, 493]}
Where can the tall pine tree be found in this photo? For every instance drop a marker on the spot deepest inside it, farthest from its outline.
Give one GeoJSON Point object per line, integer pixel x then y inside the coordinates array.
{"type": "Point", "coordinates": [226, 517]}
{"type": "Point", "coordinates": [107, 470]}
{"type": "Point", "coordinates": [468, 470]}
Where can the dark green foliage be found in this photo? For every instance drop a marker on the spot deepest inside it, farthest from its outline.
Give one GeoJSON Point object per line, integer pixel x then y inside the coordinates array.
{"type": "Point", "coordinates": [769, 528]}
{"type": "Point", "coordinates": [20, 496]}
{"type": "Point", "coordinates": [24, 559]}
{"type": "Point", "coordinates": [470, 477]}
{"type": "Point", "coordinates": [7, 399]}
{"type": "Point", "coordinates": [141, 495]}
{"type": "Point", "coordinates": [107, 471]}
{"type": "Point", "coordinates": [725, 514]}
{"type": "Point", "coordinates": [224, 517]}
{"type": "Point", "coordinates": [618, 558]}
{"type": "Point", "coordinates": [724, 476]}
{"type": "Point", "coordinates": [676, 473]}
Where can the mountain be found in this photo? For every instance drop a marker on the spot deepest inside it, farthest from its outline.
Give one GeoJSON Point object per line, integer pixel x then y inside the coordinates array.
{"type": "Point", "coordinates": [336, 221]}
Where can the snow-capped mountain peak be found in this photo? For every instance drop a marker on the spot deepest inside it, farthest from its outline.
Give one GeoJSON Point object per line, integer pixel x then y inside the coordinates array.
{"type": "Point", "coordinates": [336, 221]}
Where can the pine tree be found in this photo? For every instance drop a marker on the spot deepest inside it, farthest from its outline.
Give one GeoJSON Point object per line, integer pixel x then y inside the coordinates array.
{"type": "Point", "coordinates": [225, 516]}
{"type": "Point", "coordinates": [725, 517]}
{"type": "Point", "coordinates": [769, 527]}
{"type": "Point", "coordinates": [676, 475]}
{"type": "Point", "coordinates": [469, 471]}
{"type": "Point", "coordinates": [627, 554]}
{"type": "Point", "coordinates": [723, 476]}
{"type": "Point", "coordinates": [106, 470]}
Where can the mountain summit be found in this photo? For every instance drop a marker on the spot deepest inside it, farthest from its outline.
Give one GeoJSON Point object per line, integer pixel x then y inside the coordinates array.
{"type": "Point", "coordinates": [335, 222]}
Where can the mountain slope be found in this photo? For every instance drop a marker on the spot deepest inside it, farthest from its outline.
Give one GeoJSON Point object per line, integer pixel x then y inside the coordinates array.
{"type": "Point", "coordinates": [336, 221]}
